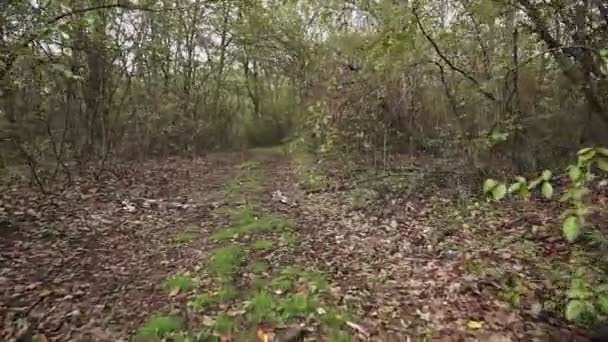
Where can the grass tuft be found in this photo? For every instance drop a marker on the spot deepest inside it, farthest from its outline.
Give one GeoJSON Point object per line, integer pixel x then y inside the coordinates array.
{"type": "Point", "coordinates": [159, 326]}
{"type": "Point", "coordinates": [201, 302]}
{"type": "Point", "coordinates": [248, 222]}
{"type": "Point", "coordinates": [259, 267]}
{"type": "Point", "coordinates": [184, 237]}
{"type": "Point", "coordinates": [263, 245]}
{"type": "Point", "coordinates": [179, 282]}
{"type": "Point", "coordinates": [226, 260]}
{"type": "Point", "coordinates": [262, 307]}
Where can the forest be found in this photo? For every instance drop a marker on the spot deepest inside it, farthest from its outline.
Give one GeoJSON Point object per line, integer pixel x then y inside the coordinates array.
{"type": "Point", "coordinates": [303, 170]}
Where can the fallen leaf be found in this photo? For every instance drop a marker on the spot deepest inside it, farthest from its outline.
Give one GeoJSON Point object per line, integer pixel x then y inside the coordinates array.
{"type": "Point", "coordinates": [474, 325]}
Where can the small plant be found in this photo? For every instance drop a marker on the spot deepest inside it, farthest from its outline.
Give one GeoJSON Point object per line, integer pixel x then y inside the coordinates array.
{"type": "Point", "coordinates": [586, 303]}
{"type": "Point", "coordinates": [184, 237]}
{"type": "Point", "coordinates": [333, 318]}
{"type": "Point", "coordinates": [179, 283]}
{"type": "Point", "coordinates": [263, 245]}
{"type": "Point", "coordinates": [225, 260]}
{"type": "Point", "coordinates": [201, 302]}
{"type": "Point", "coordinates": [579, 173]}
{"type": "Point", "coordinates": [298, 305]}
{"type": "Point", "coordinates": [288, 239]}
{"type": "Point", "coordinates": [224, 325]}
{"type": "Point", "coordinates": [248, 222]}
{"type": "Point", "coordinates": [262, 307]}
{"type": "Point", "coordinates": [259, 267]}
{"type": "Point", "coordinates": [339, 336]}
{"type": "Point", "coordinates": [227, 292]}
{"type": "Point", "coordinates": [159, 326]}
{"type": "Point", "coordinates": [513, 290]}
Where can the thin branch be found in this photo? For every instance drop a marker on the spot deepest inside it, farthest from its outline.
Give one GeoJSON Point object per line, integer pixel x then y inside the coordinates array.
{"type": "Point", "coordinates": [78, 11]}
{"type": "Point", "coordinates": [450, 63]}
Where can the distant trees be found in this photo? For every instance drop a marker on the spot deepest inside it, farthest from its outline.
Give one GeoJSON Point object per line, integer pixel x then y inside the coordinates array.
{"type": "Point", "coordinates": [510, 82]}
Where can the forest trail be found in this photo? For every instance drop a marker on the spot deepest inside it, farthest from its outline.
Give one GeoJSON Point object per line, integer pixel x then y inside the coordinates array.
{"type": "Point", "coordinates": [224, 243]}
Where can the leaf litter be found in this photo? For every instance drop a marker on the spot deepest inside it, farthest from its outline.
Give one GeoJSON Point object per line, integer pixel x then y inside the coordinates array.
{"type": "Point", "coordinates": [74, 265]}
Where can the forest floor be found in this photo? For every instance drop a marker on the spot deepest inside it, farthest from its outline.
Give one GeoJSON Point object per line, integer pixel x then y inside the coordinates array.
{"type": "Point", "coordinates": [270, 248]}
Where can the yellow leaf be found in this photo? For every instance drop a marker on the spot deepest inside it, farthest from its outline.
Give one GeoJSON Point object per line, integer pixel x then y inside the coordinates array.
{"type": "Point", "coordinates": [174, 292]}
{"type": "Point", "coordinates": [474, 325]}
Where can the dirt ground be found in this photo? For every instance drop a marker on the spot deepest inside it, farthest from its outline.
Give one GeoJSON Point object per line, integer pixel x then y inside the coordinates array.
{"type": "Point", "coordinates": [88, 263]}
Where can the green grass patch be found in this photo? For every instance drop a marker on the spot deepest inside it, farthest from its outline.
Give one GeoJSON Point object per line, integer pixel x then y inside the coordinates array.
{"type": "Point", "coordinates": [226, 260]}
{"type": "Point", "coordinates": [334, 318]}
{"type": "Point", "coordinates": [224, 325]}
{"type": "Point", "coordinates": [288, 239]}
{"type": "Point", "coordinates": [249, 165]}
{"type": "Point", "coordinates": [263, 245]}
{"type": "Point", "coordinates": [159, 326]}
{"type": "Point", "coordinates": [201, 302]}
{"type": "Point", "coordinates": [179, 282]}
{"type": "Point", "coordinates": [184, 237]}
{"type": "Point", "coordinates": [227, 292]}
{"type": "Point", "coordinates": [339, 336]}
{"type": "Point", "coordinates": [262, 308]}
{"type": "Point", "coordinates": [298, 305]}
{"type": "Point", "coordinates": [244, 186]}
{"type": "Point", "coordinates": [259, 267]}
{"type": "Point", "coordinates": [247, 222]}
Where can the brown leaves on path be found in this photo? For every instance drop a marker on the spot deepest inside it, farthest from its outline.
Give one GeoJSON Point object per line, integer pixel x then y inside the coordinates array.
{"type": "Point", "coordinates": [88, 263]}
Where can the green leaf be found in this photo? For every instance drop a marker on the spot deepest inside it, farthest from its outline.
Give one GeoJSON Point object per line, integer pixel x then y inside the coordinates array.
{"type": "Point", "coordinates": [602, 302]}
{"type": "Point", "coordinates": [584, 150]}
{"type": "Point", "coordinates": [603, 151]}
{"type": "Point", "coordinates": [574, 172]}
{"type": "Point", "coordinates": [546, 175]}
{"type": "Point", "coordinates": [586, 156]}
{"type": "Point", "coordinates": [535, 183]}
{"type": "Point", "coordinates": [575, 309]}
{"type": "Point", "coordinates": [602, 163]}
{"type": "Point", "coordinates": [499, 191]}
{"type": "Point", "coordinates": [571, 228]}
{"type": "Point", "coordinates": [579, 289]}
{"type": "Point", "coordinates": [520, 179]}
{"type": "Point", "coordinates": [524, 193]}
{"type": "Point", "coordinates": [514, 187]}
{"type": "Point", "coordinates": [578, 193]}
{"type": "Point", "coordinates": [547, 190]}
{"type": "Point", "coordinates": [488, 185]}
{"type": "Point", "coordinates": [602, 288]}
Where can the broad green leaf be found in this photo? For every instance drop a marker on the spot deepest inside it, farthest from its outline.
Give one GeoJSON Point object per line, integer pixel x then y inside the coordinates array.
{"type": "Point", "coordinates": [602, 163]}
{"type": "Point", "coordinates": [571, 228]}
{"type": "Point", "coordinates": [575, 309]}
{"type": "Point", "coordinates": [488, 185]}
{"type": "Point", "coordinates": [602, 288]}
{"type": "Point", "coordinates": [579, 289]}
{"type": "Point", "coordinates": [547, 190]}
{"type": "Point", "coordinates": [602, 302]}
{"type": "Point", "coordinates": [584, 150]}
{"type": "Point", "coordinates": [520, 179]}
{"type": "Point", "coordinates": [603, 151]}
{"type": "Point", "coordinates": [535, 183]}
{"type": "Point", "coordinates": [547, 175]}
{"type": "Point", "coordinates": [524, 193]}
{"type": "Point", "coordinates": [586, 156]}
{"type": "Point", "coordinates": [574, 172]}
{"type": "Point", "coordinates": [578, 193]}
{"type": "Point", "coordinates": [499, 191]}
{"type": "Point", "coordinates": [514, 187]}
